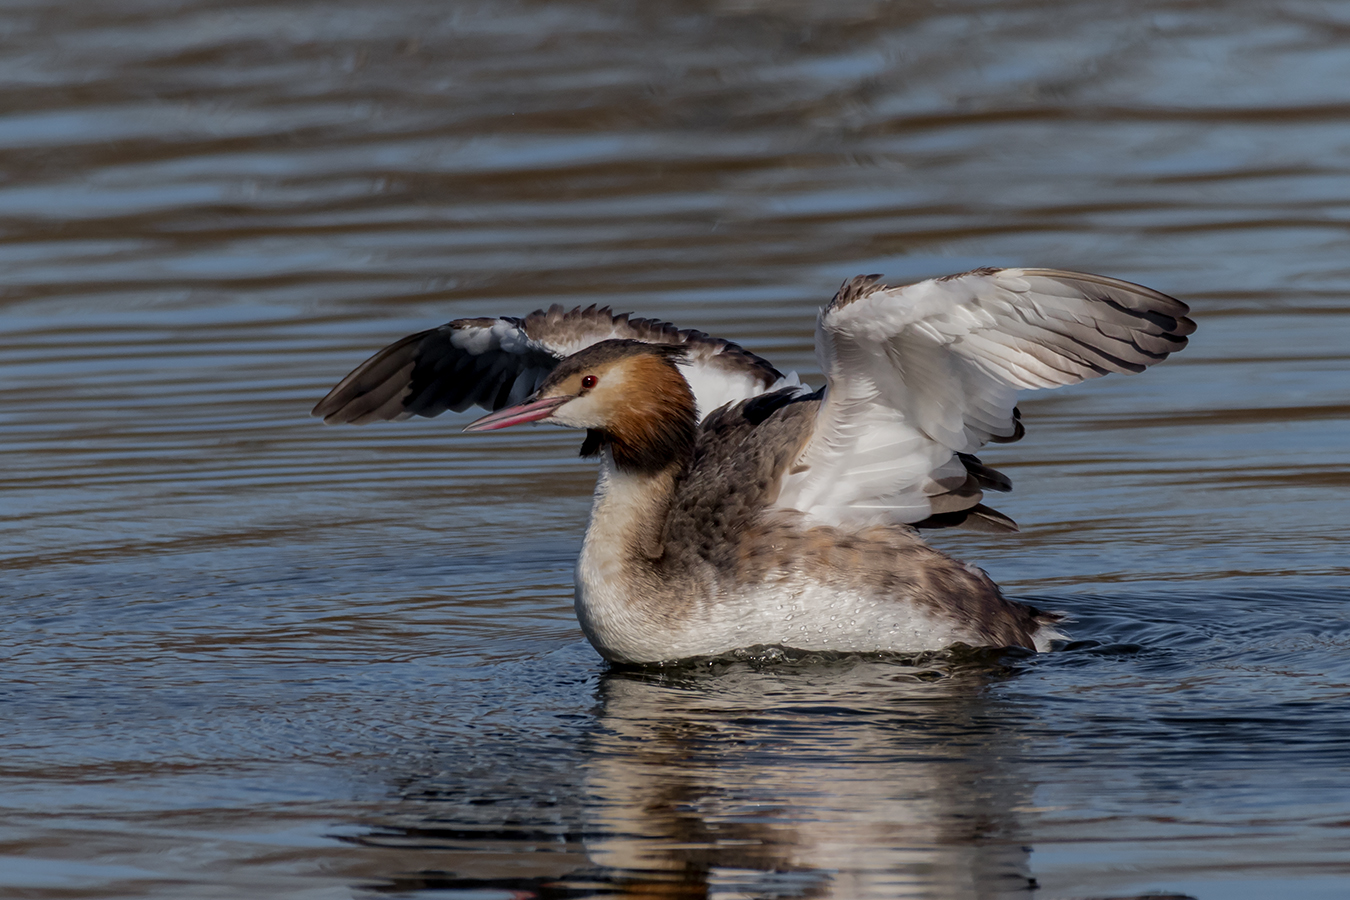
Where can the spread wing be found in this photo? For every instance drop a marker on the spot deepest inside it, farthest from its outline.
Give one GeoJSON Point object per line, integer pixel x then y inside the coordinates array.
{"type": "Point", "coordinates": [495, 363]}
{"type": "Point", "coordinates": [920, 377]}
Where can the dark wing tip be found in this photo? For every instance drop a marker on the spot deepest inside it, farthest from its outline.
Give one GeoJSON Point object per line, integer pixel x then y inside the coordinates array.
{"type": "Point", "coordinates": [989, 479]}
{"type": "Point", "coordinates": [979, 518]}
{"type": "Point", "coordinates": [455, 366]}
{"type": "Point", "coordinates": [1019, 430]}
{"type": "Point", "coordinates": [1170, 315]}
{"type": "Point", "coordinates": [370, 387]}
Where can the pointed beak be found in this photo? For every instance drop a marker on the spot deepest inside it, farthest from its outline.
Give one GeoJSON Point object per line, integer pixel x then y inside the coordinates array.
{"type": "Point", "coordinates": [529, 411]}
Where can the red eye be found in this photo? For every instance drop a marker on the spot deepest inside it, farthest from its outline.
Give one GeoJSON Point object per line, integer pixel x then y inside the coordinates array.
{"type": "Point", "coordinates": [589, 382]}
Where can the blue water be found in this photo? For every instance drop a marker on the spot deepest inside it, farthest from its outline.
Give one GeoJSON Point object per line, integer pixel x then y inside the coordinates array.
{"type": "Point", "coordinates": [245, 654]}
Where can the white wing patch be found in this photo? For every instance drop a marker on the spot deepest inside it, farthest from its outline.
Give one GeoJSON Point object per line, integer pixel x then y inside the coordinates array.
{"type": "Point", "coordinates": [715, 387]}
{"type": "Point", "coordinates": [917, 374]}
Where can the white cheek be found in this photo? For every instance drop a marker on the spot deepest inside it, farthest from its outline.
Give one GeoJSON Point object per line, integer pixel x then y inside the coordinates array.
{"type": "Point", "coordinates": [583, 412]}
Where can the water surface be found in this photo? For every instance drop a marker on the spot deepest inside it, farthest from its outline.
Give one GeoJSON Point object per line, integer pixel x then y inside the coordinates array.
{"type": "Point", "coordinates": [246, 654]}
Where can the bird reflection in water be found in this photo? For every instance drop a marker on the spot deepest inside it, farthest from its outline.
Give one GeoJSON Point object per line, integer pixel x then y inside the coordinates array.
{"type": "Point", "coordinates": [852, 777]}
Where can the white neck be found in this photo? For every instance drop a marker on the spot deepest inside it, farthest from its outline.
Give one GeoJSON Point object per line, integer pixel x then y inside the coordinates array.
{"type": "Point", "coordinates": [613, 596]}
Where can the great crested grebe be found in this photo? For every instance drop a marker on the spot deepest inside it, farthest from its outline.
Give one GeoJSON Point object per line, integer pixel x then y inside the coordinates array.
{"type": "Point", "coordinates": [736, 508]}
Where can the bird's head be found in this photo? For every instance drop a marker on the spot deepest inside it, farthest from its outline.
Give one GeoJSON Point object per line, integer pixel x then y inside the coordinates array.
{"type": "Point", "coordinates": [628, 395]}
